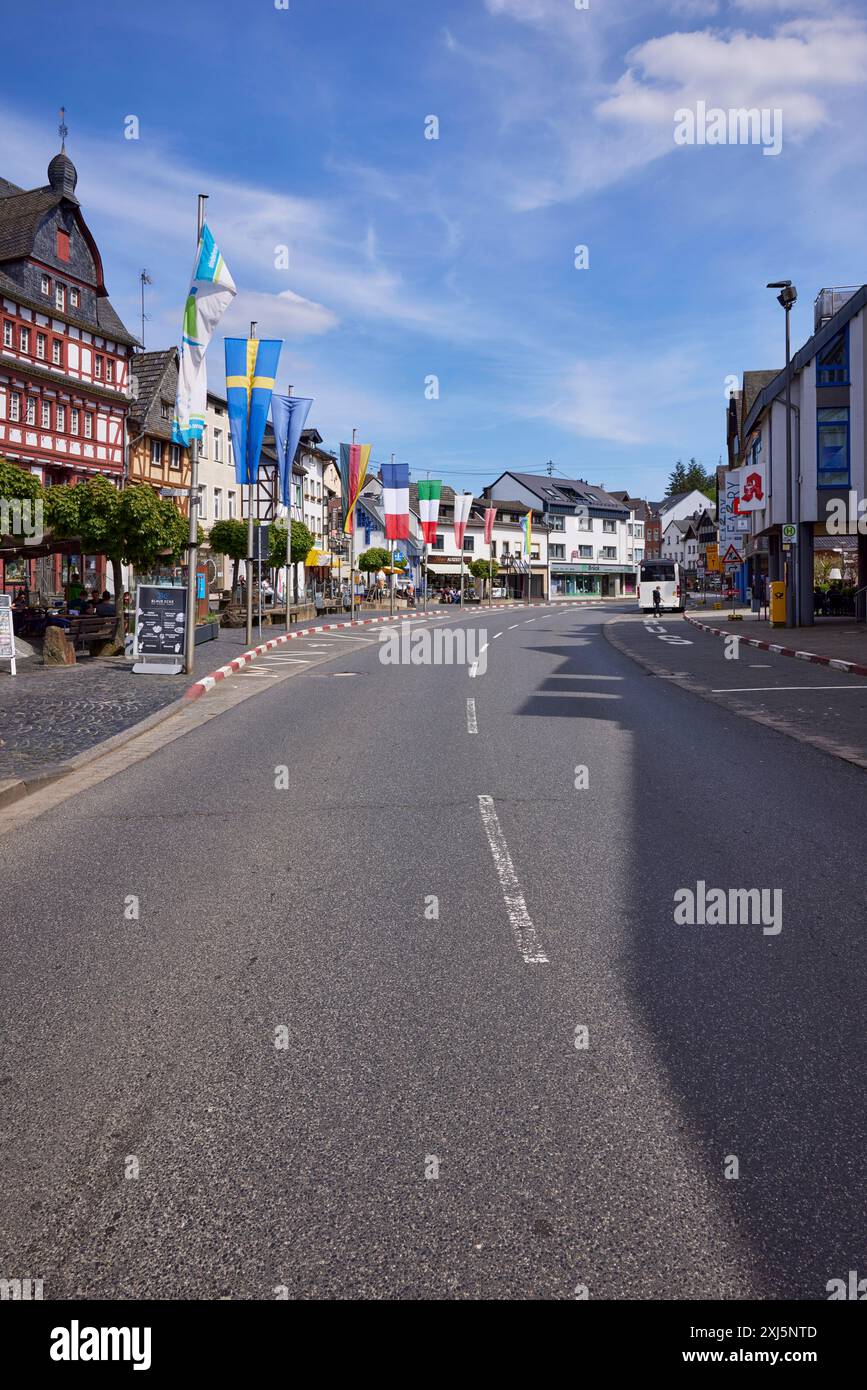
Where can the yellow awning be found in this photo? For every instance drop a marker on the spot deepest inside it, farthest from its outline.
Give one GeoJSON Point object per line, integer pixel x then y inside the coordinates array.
{"type": "Point", "coordinates": [312, 559]}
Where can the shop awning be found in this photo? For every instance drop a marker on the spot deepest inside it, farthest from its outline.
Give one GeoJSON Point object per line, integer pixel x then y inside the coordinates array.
{"type": "Point", "coordinates": [454, 569]}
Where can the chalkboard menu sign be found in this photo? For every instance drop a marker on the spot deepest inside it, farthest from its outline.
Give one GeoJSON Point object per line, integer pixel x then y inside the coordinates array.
{"type": "Point", "coordinates": [160, 620]}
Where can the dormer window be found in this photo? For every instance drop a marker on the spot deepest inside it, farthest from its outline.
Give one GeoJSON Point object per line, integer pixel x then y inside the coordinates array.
{"type": "Point", "coordinates": [45, 285]}
{"type": "Point", "coordinates": [60, 297]}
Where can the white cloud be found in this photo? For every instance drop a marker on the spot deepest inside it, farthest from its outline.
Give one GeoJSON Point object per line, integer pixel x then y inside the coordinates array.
{"type": "Point", "coordinates": [598, 132]}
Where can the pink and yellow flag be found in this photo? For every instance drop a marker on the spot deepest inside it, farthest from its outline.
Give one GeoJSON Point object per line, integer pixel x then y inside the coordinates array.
{"type": "Point", "coordinates": [354, 459]}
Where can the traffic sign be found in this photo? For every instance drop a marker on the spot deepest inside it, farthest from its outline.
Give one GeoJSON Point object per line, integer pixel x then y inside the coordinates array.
{"type": "Point", "coordinates": [790, 534]}
{"type": "Point", "coordinates": [732, 556]}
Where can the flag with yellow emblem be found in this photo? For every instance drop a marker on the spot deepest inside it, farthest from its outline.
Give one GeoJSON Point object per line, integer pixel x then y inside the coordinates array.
{"type": "Point", "coordinates": [251, 369]}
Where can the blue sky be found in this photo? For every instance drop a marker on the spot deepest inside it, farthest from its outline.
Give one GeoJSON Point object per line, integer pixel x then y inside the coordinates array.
{"type": "Point", "coordinates": [454, 258]}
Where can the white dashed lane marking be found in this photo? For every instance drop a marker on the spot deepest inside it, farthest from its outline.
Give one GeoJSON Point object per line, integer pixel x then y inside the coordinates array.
{"type": "Point", "coordinates": [516, 907]}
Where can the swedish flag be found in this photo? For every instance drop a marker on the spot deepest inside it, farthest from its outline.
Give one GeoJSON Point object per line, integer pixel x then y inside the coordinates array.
{"type": "Point", "coordinates": [251, 368]}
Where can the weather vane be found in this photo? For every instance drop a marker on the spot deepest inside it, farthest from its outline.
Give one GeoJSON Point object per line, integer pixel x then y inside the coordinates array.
{"type": "Point", "coordinates": [63, 130]}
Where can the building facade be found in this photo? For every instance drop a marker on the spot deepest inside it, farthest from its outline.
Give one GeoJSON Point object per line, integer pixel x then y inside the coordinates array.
{"type": "Point", "coordinates": [821, 488]}
{"type": "Point", "coordinates": [152, 457]}
{"type": "Point", "coordinates": [590, 549]}
{"type": "Point", "coordinates": [64, 353]}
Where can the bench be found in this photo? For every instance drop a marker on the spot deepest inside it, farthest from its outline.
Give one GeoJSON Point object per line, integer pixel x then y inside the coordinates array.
{"type": "Point", "coordinates": [91, 629]}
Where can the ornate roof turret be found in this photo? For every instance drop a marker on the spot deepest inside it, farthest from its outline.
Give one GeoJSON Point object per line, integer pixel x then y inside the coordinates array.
{"type": "Point", "coordinates": [63, 175]}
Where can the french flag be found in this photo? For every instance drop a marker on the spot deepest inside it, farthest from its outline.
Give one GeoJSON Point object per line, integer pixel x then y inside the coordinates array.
{"type": "Point", "coordinates": [395, 498]}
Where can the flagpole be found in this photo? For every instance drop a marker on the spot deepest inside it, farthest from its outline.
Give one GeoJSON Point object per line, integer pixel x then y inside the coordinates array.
{"type": "Point", "coordinates": [391, 567]}
{"type": "Point", "coordinates": [289, 530]}
{"type": "Point", "coordinates": [426, 555]}
{"type": "Point", "coordinates": [193, 549]}
{"type": "Point", "coordinates": [462, 573]}
{"type": "Point", "coordinates": [352, 553]}
{"type": "Point", "coordinates": [249, 639]}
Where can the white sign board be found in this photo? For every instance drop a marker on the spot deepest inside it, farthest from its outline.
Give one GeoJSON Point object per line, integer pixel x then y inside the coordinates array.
{"type": "Point", "coordinates": [732, 526]}
{"type": "Point", "coordinates": [7, 638]}
{"type": "Point", "coordinates": [753, 489]}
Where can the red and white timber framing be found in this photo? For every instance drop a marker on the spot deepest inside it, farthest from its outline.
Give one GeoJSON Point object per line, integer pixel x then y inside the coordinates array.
{"type": "Point", "coordinates": [63, 395]}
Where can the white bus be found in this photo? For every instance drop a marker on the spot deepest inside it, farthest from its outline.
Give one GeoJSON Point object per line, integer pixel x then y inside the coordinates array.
{"type": "Point", "coordinates": [668, 577]}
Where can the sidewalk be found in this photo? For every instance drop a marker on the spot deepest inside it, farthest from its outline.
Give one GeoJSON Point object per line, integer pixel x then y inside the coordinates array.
{"type": "Point", "coordinates": [837, 642]}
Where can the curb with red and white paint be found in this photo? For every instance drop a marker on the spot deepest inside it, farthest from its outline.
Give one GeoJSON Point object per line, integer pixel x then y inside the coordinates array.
{"type": "Point", "coordinates": [852, 667]}
{"type": "Point", "coordinates": [206, 683]}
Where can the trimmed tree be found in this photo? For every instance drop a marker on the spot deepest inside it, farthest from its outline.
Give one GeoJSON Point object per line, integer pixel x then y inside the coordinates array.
{"type": "Point", "coordinates": [229, 537]}
{"type": "Point", "coordinates": [484, 570]}
{"type": "Point", "coordinates": [373, 559]}
{"type": "Point", "coordinates": [16, 483]}
{"type": "Point", "coordinates": [302, 543]}
{"type": "Point", "coordinates": [135, 527]}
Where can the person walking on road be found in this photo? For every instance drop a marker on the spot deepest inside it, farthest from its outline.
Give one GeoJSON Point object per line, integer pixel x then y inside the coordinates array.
{"type": "Point", "coordinates": [657, 600]}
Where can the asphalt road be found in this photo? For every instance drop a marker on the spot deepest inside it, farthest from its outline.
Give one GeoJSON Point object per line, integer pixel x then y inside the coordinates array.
{"type": "Point", "coordinates": [428, 1036]}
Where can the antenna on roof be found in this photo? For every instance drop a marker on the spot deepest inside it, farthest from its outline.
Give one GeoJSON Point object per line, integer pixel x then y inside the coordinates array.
{"type": "Point", "coordinates": [63, 130]}
{"type": "Point", "coordinates": [145, 280]}
{"type": "Point", "coordinates": [550, 467]}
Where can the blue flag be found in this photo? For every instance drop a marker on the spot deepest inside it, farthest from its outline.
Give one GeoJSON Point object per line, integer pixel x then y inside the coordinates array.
{"type": "Point", "coordinates": [251, 367]}
{"type": "Point", "coordinates": [289, 415]}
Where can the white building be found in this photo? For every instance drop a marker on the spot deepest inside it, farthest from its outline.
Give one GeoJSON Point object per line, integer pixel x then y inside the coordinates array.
{"type": "Point", "coordinates": [590, 548]}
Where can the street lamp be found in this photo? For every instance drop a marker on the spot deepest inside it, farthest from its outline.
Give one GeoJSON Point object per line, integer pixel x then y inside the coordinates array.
{"type": "Point", "coordinates": [787, 296]}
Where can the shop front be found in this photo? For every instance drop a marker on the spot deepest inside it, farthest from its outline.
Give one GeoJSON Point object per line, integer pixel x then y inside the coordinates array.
{"type": "Point", "coordinates": [591, 581]}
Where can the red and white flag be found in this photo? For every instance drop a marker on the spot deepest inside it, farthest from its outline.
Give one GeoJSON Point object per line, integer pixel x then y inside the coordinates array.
{"type": "Point", "coordinates": [490, 517]}
{"type": "Point", "coordinates": [463, 502]}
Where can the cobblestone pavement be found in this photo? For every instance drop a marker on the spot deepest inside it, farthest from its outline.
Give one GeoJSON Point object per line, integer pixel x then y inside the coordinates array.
{"type": "Point", "coordinates": [51, 714]}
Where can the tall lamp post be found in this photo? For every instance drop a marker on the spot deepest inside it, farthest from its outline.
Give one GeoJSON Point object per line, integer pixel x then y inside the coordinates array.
{"type": "Point", "coordinates": [787, 297]}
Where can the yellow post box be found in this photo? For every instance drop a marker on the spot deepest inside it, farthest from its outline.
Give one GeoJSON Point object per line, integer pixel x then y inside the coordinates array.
{"type": "Point", "coordinates": [778, 603]}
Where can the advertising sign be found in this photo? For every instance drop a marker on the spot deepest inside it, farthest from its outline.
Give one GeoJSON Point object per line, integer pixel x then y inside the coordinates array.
{"type": "Point", "coordinates": [732, 525]}
{"type": "Point", "coordinates": [7, 637]}
{"type": "Point", "coordinates": [160, 623]}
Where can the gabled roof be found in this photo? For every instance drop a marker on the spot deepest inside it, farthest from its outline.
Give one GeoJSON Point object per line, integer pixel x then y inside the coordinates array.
{"type": "Point", "coordinates": [157, 376]}
{"type": "Point", "coordinates": [20, 216]}
{"type": "Point", "coordinates": [22, 212]}
{"type": "Point", "coordinates": [563, 492]}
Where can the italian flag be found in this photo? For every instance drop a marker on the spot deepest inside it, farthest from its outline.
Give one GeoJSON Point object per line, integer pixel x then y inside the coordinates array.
{"type": "Point", "coordinates": [429, 506]}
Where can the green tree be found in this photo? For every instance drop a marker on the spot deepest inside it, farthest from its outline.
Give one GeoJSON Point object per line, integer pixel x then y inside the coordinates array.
{"type": "Point", "coordinates": [16, 483]}
{"type": "Point", "coordinates": [134, 526]}
{"type": "Point", "coordinates": [486, 570]}
{"type": "Point", "coordinates": [229, 537]}
{"type": "Point", "coordinates": [302, 543]}
{"type": "Point", "coordinates": [685, 477]}
{"type": "Point", "coordinates": [376, 558]}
